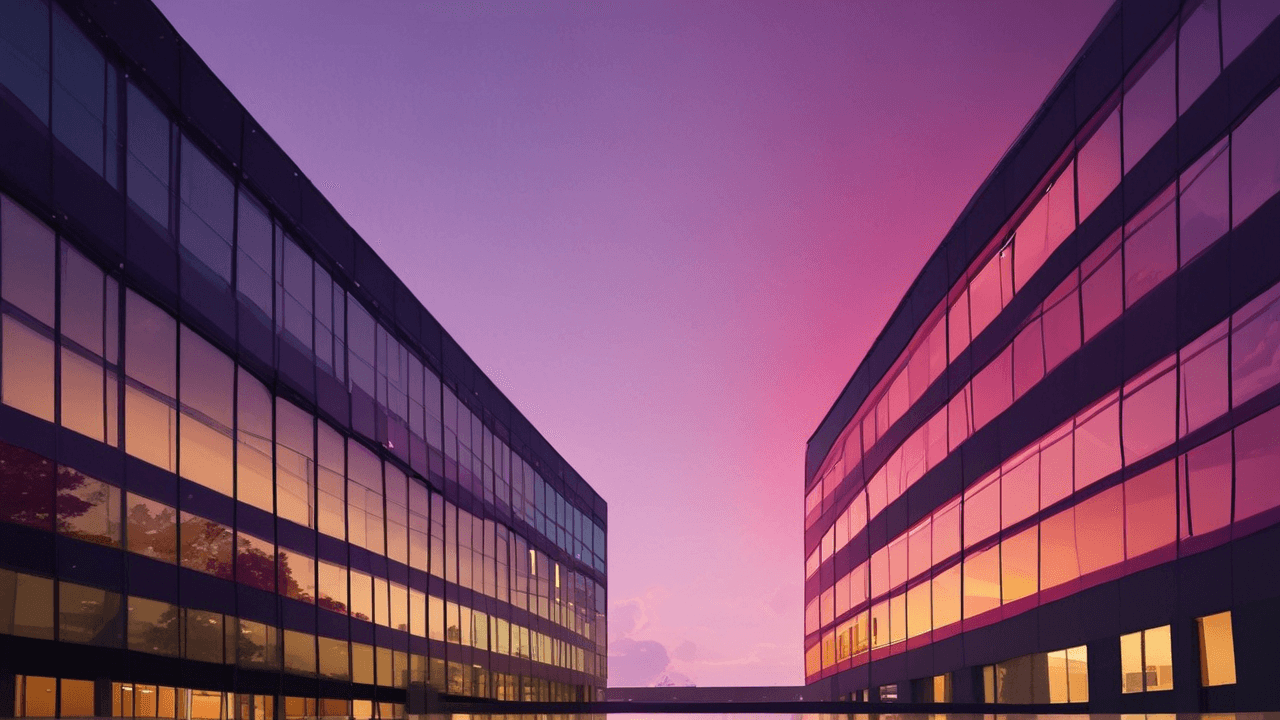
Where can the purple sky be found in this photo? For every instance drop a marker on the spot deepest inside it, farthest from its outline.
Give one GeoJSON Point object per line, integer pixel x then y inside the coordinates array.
{"type": "Point", "coordinates": [667, 230]}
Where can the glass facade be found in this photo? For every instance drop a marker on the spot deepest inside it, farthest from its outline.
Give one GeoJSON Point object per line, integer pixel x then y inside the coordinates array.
{"type": "Point", "coordinates": [235, 481]}
{"type": "Point", "coordinates": [1089, 408]}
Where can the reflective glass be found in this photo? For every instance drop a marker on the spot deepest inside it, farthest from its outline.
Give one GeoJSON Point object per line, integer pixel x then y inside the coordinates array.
{"type": "Point", "coordinates": [993, 389]}
{"type": "Point", "coordinates": [1242, 20]}
{"type": "Point", "coordinates": [88, 509]}
{"type": "Point", "coordinates": [332, 588]}
{"type": "Point", "coordinates": [299, 652]}
{"type": "Point", "coordinates": [946, 597]}
{"type": "Point", "coordinates": [295, 464]}
{"type": "Point", "coordinates": [1051, 220]}
{"type": "Point", "coordinates": [24, 54]}
{"type": "Point", "coordinates": [151, 528]}
{"type": "Point", "coordinates": [1150, 413]}
{"type": "Point", "coordinates": [255, 562]}
{"type": "Point", "coordinates": [1204, 202]}
{"type": "Point", "coordinates": [982, 510]}
{"type": "Point", "coordinates": [981, 581]}
{"type": "Point", "coordinates": [27, 257]}
{"type": "Point", "coordinates": [1098, 165]}
{"type": "Point", "coordinates": [154, 627]}
{"type": "Point", "coordinates": [207, 546]}
{"type": "Point", "coordinates": [1020, 490]}
{"type": "Point", "coordinates": [1199, 60]}
{"type": "Point", "coordinates": [1257, 465]}
{"type": "Point", "coordinates": [151, 364]}
{"type": "Point", "coordinates": [79, 93]}
{"type": "Point", "coordinates": [1100, 530]}
{"type": "Point", "coordinates": [1097, 442]}
{"type": "Point", "coordinates": [1150, 247]}
{"type": "Point", "coordinates": [1255, 154]}
{"type": "Point", "coordinates": [89, 615]}
{"type": "Point", "coordinates": [26, 605]}
{"type": "Point", "coordinates": [208, 214]}
{"type": "Point", "coordinates": [1020, 564]}
{"type": "Point", "coordinates": [1061, 331]}
{"type": "Point", "coordinates": [253, 459]}
{"type": "Point", "coordinates": [1060, 559]}
{"type": "Point", "coordinates": [208, 377]}
{"type": "Point", "coordinates": [148, 157]}
{"type": "Point", "coordinates": [1203, 379]}
{"type": "Point", "coordinates": [253, 256]}
{"type": "Point", "coordinates": [1255, 347]}
{"type": "Point", "coordinates": [1149, 105]}
{"type": "Point", "coordinates": [1206, 483]}
{"type": "Point", "coordinates": [1028, 358]}
{"type": "Point", "coordinates": [296, 575]}
{"type": "Point", "coordinates": [1102, 292]}
{"type": "Point", "coordinates": [1151, 512]}
{"type": "Point", "coordinates": [1056, 468]}
{"type": "Point", "coordinates": [26, 488]}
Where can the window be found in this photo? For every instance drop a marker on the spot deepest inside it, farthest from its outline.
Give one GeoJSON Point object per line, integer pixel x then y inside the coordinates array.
{"type": "Point", "coordinates": [331, 481]}
{"type": "Point", "coordinates": [26, 488]}
{"type": "Point", "coordinates": [1255, 347]}
{"type": "Point", "coordinates": [76, 698]}
{"type": "Point", "coordinates": [90, 339]}
{"type": "Point", "coordinates": [89, 615]}
{"type": "Point", "coordinates": [208, 216]}
{"type": "Point", "coordinates": [1206, 483]}
{"type": "Point", "coordinates": [208, 377]}
{"type": "Point", "coordinates": [332, 587]}
{"type": "Point", "coordinates": [993, 389]}
{"type": "Point", "coordinates": [1097, 442]}
{"type": "Point", "coordinates": [1199, 59]}
{"type": "Point", "coordinates": [84, 99]}
{"type": "Point", "coordinates": [150, 364]}
{"type": "Point", "coordinates": [1217, 650]}
{"type": "Point", "coordinates": [1146, 661]}
{"type": "Point", "coordinates": [258, 645]}
{"type": "Point", "coordinates": [153, 627]}
{"type": "Point", "coordinates": [299, 652]}
{"type": "Point", "coordinates": [1204, 202]}
{"type": "Point", "coordinates": [26, 605]}
{"type": "Point", "coordinates": [1150, 247]}
{"type": "Point", "coordinates": [1102, 291]}
{"type": "Point", "coordinates": [1149, 105]}
{"type": "Point", "coordinates": [1203, 379]}
{"type": "Point", "coordinates": [296, 573]}
{"type": "Point", "coordinates": [1242, 20]}
{"type": "Point", "coordinates": [1150, 508]}
{"type": "Point", "coordinates": [1100, 531]}
{"type": "Point", "coordinates": [255, 562]}
{"type": "Point", "coordinates": [253, 434]}
{"type": "Point", "coordinates": [148, 158]}
{"type": "Point", "coordinates": [27, 262]}
{"type": "Point", "coordinates": [24, 54]}
{"type": "Point", "coordinates": [1049, 223]}
{"type": "Point", "coordinates": [981, 581]}
{"type": "Point", "coordinates": [1020, 565]}
{"type": "Point", "coordinates": [1257, 463]}
{"type": "Point", "coordinates": [88, 509]}
{"type": "Point", "coordinates": [253, 258]}
{"type": "Point", "coordinates": [1098, 165]}
{"type": "Point", "coordinates": [335, 659]}
{"type": "Point", "coordinates": [1149, 411]}
{"type": "Point", "coordinates": [295, 464]}
{"type": "Point", "coordinates": [1060, 676]}
{"type": "Point", "coordinates": [364, 498]}
{"type": "Point", "coordinates": [203, 635]}
{"type": "Point", "coordinates": [1255, 154]}
{"type": "Point", "coordinates": [293, 294]}
{"type": "Point", "coordinates": [206, 546]}
{"type": "Point", "coordinates": [35, 696]}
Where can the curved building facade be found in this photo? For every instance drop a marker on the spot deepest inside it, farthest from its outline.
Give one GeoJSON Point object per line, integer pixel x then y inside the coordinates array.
{"type": "Point", "coordinates": [1055, 477]}
{"type": "Point", "coordinates": [243, 472]}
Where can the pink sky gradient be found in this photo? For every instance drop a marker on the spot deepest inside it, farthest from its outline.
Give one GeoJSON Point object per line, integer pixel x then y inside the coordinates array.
{"type": "Point", "coordinates": [667, 230]}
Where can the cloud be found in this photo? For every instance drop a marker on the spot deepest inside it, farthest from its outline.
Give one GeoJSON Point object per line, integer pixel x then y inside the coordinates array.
{"type": "Point", "coordinates": [636, 663]}
{"type": "Point", "coordinates": [686, 651]}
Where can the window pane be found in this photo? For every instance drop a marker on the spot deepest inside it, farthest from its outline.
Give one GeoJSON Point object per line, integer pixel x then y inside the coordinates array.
{"type": "Point", "coordinates": [26, 605]}
{"type": "Point", "coordinates": [1056, 469]}
{"type": "Point", "coordinates": [253, 270]}
{"type": "Point", "coordinates": [89, 615]}
{"type": "Point", "coordinates": [1061, 330]}
{"type": "Point", "coordinates": [1204, 202]}
{"type": "Point", "coordinates": [76, 698]}
{"type": "Point", "coordinates": [1102, 293]}
{"type": "Point", "coordinates": [1150, 509]}
{"type": "Point", "coordinates": [153, 627]}
{"type": "Point", "coordinates": [1131, 668]}
{"type": "Point", "coordinates": [79, 92]}
{"type": "Point", "coordinates": [204, 636]}
{"type": "Point", "coordinates": [1242, 20]}
{"type": "Point", "coordinates": [1203, 376]}
{"type": "Point", "coordinates": [1217, 650]}
{"type": "Point", "coordinates": [1098, 165]}
{"type": "Point", "coordinates": [1020, 491]}
{"type": "Point", "coordinates": [255, 562]}
{"type": "Point", "coordinates": [26, 488]}
{"type": "Point", "coordinates": [254, 484]}
{"type": "Point", "coordinates": [332, 587]}
{"type": "Point", "coordinates": [152, 529]}
{"type": "Point", "coordinates": [1097, 444]}
{"type": "Point", "coordinates": [88, 509]}
{"type": "Point", "coordinates": [1207, 486]}
{"type": "Point", "coordinates": [207, 546]}
{"type": "Point", "coordinates": [148, 159]}
{"type": "Point", "coordinates": [151, 360]}
{"type": "Point", "coordinates": [1058, 550]}
{"type": "Point", "coordinates": [299, 652]}
{"type": "Point", "coordinates": [1100, 530]}
{"type": "Point", "coordinates": [207, 381]}
{"type": "Point", "coordinates": [1157, 655]}
{"type": "Point", "coordinates": [82, 301]}
{"type": "Point", "coordinates": [258, 645]}
{"type": "Point", "coordinates": [981, 581]}
{"type": "Point", "coordinates": [295, 464]}
{"type": "Point", "coordinates": [335, 660]}
{"type": "Point", "coordinates": [27, 256]}
{"type": "Point", "coordinates": [982, 510]}
{"type": "Point", "coordinates": [946, 597]}
{"type": "Point", "coordinates": [946, 532]}
{"type": "Point", "coordinates": [1051, 220]}
{"type": "Point", "coordinates": [1028, 358]}
{"type": "Point", "coordinates": [208, 207]}
{"type": "Point", "coordinates": [1149, 106]}
{"type": "Point", "coordinates": [1020, 564]}
{"type": "Point", "coordinates": [1255, 348]}
{"type": "Point", "coordinates": [1198, 53]}
{"type": "Point", "coordinates": [1254, 157]}
{"type": "Point", "coordinates": [1150, 415]}
{"type": "Point", "coordinates": [24, 54]}
{"type": "Point", "coordinates": [1257, 465]}
{"type": "Point", "coordinates": [993, 389]}
{"type": "Point", "coordinates": [297, 575]}
{"type": "Point", "coordinates": [1150, 247]}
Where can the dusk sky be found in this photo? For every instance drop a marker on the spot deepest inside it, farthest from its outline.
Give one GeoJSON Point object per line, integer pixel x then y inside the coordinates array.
{"type": "Point", "coordinates": [668, 231]}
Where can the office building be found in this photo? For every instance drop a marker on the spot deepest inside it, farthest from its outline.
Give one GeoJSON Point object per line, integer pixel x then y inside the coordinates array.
{"type": "Point", "coordinates": [243, 472]}
{"type": "Point", "coordinates": [1055, 476]}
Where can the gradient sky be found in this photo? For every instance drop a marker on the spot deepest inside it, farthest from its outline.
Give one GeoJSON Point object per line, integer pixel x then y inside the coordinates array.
{"type": "Point", "coordinates": [668, 231]}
